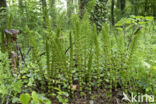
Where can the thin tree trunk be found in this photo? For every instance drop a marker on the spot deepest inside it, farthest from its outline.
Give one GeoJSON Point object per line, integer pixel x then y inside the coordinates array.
{"type": "Point", "coordinates": [20, 2]}
{"type": "Point", "coordinates": [44, 9]}
{"type": "Point", "coordinates": [146, 6]}
{"type": "Point", "coordinates": [69, 11]}
{"type": "Point", "coordinates": [52, 3]}
{"type": "Point", "coordinates": [44, 4]}
{"type": "Point", "coordinates": [118, 3]}
{"type": "Point", "coordinates": [112, 12]}
{"type": "Point", "coordinates": [2, 3]}
{"type": "Point", "coordinates": [154, 8]}
{"type": "Point", "coordinates": [52, 11]}
{"type": "Point", "coordinates": [121, 4]}
{"type": "Point", "coordinates": [136, 7]}
{"type": "Point", "coordinates": [82, 5]}
{"type": "Point", "coordinates": [69, 7]}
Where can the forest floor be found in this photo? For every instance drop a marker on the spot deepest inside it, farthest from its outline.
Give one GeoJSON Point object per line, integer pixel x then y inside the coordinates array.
{"type": "Point", "coordinates": [99, 97]}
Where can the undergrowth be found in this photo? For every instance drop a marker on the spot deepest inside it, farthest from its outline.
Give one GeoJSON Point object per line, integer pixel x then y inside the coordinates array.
{"type": "Point", "coordinates": [80, 61]}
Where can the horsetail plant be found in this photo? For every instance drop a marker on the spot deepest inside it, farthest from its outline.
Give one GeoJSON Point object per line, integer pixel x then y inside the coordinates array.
{"type": "Point", "coordinates": [3, 41]}
{"type": "Point", "coordinates": [63, 59]}
{"type": "Point", "coordinates": [8, 36]}
{"type": "Point", "coordinates": [54, 64]}
{"type": "Point", "coordinates": [77, 39]}
{"type": "Point", "coordinates": [119, 61]}
{"type": "Point", "coordinates": [86, 36]}
{"type": "Point", "coordinates": [35, 55]}
{"type": "Point", "coordinates": [71, 64]}
{"type": "Point", "coordinates": [90, 69]}
{"type": "Point", "coordinates": [97, 53]}
{"type": "Point", "coordinates": [49, 71]}
{"type": "Point", "coordinates": [132, 52]}
{"type": "Point", "coordinates": [10, 21]}
{"type": "Point", "coordinates": [47, 55]}
{"type": "Point", "coordinates": [107, 52]}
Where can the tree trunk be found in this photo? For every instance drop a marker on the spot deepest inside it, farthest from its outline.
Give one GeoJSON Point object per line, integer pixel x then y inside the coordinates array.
{"type": "Point", "coordinates": [121, 4]}
{"type": "Point", "coordinates": [112, 12]}
{"type": "Point", "coordinates": [52, 11]}
{"type": "Point", "coordinates": [69, 7]}
{"type": "Point", "coordinates": [2, 3]}
{"type": "Point", "coordinates": [20, 3]}
{"type": "Point", "coordinates": [136, 7]}
{"type": "Point", "coordinates": [146, 7]}
{"type": "Point", "coordinates": [45, 12]}
{"type": "Point", "coordinates": [154, 10]}
{"type": "Point", "coordinates": [44, 4]}
{"type": "Point", "coordinates": [82, 5]}
{"type": "Point", "coordinates": [52, 3]}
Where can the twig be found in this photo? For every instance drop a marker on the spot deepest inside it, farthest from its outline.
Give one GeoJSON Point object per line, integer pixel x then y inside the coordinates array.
{"type": "Point", "coordinates": [42, 54]}
{"type": "Point", "coordinates": [27, 52]}
{"type": "Point", "coordinates": [23, 58]}
{"type": "Point", "coordinates": [17, 47]}
{"type": "Point", "coordinates": [130, 40]}
{"type": "Point", "coordinates": [21, 55]}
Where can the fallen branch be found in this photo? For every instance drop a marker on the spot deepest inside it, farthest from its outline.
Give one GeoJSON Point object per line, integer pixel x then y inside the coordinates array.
{"type": "Point", "coordinates": [27, 52]}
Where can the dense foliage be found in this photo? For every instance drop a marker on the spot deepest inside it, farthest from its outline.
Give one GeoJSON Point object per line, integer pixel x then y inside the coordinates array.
{"type": "Point", "coordinates": [78, 56]}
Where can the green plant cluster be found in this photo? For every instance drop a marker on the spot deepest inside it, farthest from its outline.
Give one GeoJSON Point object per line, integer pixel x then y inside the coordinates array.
{"type": "Point", "coordinates": [58, 61]}
{"type": "Point", "coordinates": [82, 59]}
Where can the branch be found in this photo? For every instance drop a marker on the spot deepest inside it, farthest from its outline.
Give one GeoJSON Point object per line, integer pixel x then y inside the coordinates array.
{"type": "Point", "coordinates": [130, 40]}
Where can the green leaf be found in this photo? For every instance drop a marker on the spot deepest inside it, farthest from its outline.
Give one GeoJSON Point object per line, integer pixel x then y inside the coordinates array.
{"type": "Point", "coordinates": [15, 100]}
{"type": "Point", "coordinates": [35, 97]}
{"type": "Point", "coordinates": [118, 28]}
{"type": "Point", "coordinates": [47, 101]}
{"type": "Point", "coordinates": [142, 23]}
{"type": "Point", "coordinates": [25, 98]}
{"type": "Point", "coordinates": [139, 17]}
{"type": "Point", "coordinates": [17, 86]}
{"type": "Point", "coordinates": [66, 94]}
{"type": "Point", "coordinates": [149, 18]}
